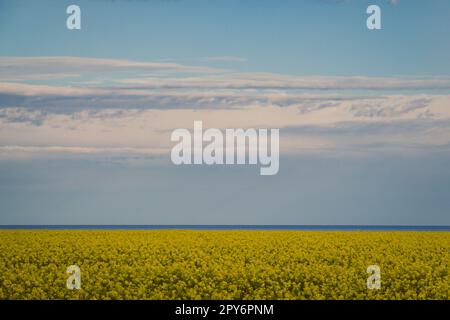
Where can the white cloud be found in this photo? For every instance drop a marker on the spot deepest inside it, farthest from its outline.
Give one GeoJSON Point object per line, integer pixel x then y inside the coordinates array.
{"type": "Point", "coordinates": [412, 122]}
{"type": "Point", "coordinates": [134, 115]}
{"type": "Point", "coordinates": [286, 82]}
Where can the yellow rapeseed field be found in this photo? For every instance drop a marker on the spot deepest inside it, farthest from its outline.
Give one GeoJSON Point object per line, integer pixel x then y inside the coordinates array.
{"type": "Point", "coordinates": [188, 264]}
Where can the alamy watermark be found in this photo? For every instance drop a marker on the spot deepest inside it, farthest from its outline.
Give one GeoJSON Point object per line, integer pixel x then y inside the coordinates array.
{"type": "Point", "coordinates": [73, 21]}
{"type": "Point", "coordinates": [213, 147]}
{"type": "Point", "coordinates": [74, 280]}
{"type": "Point", "coordinates": [374, 279]}
{"type": "Point", "coordinates": [373, 22]}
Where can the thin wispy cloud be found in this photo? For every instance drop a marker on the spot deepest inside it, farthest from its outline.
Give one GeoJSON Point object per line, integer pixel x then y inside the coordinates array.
{"type": "Point", "coordinates": [62, 65]}
{"type": "Point", "coordinates": [135, 74]}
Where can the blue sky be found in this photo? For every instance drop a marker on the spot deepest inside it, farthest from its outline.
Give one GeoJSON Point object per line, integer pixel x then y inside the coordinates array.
{"type": "Point", "coordinates": [86, 116]}
{"type": "Point", "coordinates": [311, 37]}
